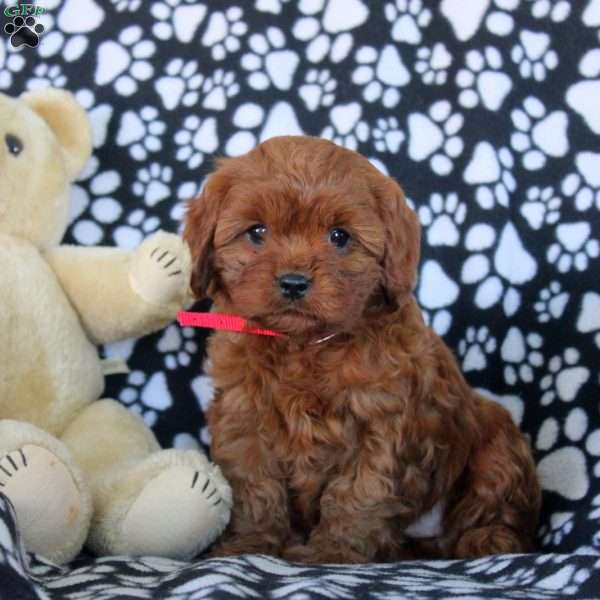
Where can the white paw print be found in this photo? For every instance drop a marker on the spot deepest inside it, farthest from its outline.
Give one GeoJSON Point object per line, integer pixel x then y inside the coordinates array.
{"type": "Point", "coordinates": [432, 64]}
{"type": "Point", "coordinates": [474, 347]}
{"type": "Point", "coordinates": [218, 89]}
{"type": "Point", "coordinates": [387, 135]}
{"type": "Point", "coordinates": [574, 248]}
{"type": "Point", "coordinates": [347, 127]}
{"type": "Point", "coordinates": [436, 292]}
{"type": "Point", "coordinates": [482, 81]}
{"type": "Point", "coordinates": [542, 207]}
{"type": "Point", "coordinates": [551, 302]}
{"type": "Point", "coordinates": [533, 55]}
{"type": "Point", "coordinates": [539, 134]}
{"type": "Point", "coordinates": [271, 6]}
{"type": "Point", "coordinates": [126, 5]}
{"type": "Point", "coordinates": [126, 61]}
{"type": "Point", "coordinates": [584, 186]}
{"type": "Point", "coordinates": [141, 132]}
{"type": "Point", "coordinates": [177, 345]}
{"type": "Point", "coordinates": [318, 89]}
{"type": "Point", "coordinates": [196, 139]}
{"type": "Point", "coordinates": [442, 219]}
{"type": "Point", "coordinates": [564, 378]}
{"type": "Point", "coordinates": [556, 10]}
{"type": "Point", "coordinates": [180, 84]}
{"type": "Point", "coordinates": [55, 42]}
{"type": "Point", "coordinates": [499, 21]}
{"type": "Point", "coordinates": [497, 280]}
{"type": "Point", "coordinates": [153, 183]}
{"type": "Point", "coordinates": [523, 355]}
{"type": "Point", "coordinates": [408, 17]}
{"type": "Point", "coordinates": [381, 74]}
{"type": "Point", "coordinates": [561, 524]}
{"type": "Point", "coordinates": [146, 396]}
{"type": "Point", "coordinates": [328, 35]}
{"type": "Point", "coordinates": [10, 63]}
{"type": "Point", "coordinates": [491, 171]}
{"type": "Point", "coordinates": [98, 114]}
{"type": "Point", "coordinates": [204, 391]}
{"type": "Point", "coordinates": [94, 191]}
{"type": "Point", "coordinates": [46, 75]}
{"type": "Point", "coordinates": [179, 18]}
{"type": "Point", "coordinates": [138, 225]}
{"type": "Point", "coordinates": [270, 62]}
{"type": "Point", "coordinates": [223, 32]}
{"type": "Point", "coordinates": [434, 137]}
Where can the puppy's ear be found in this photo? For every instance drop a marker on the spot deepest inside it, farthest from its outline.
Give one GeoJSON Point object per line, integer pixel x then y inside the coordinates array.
{"type": "Point", "coordinates": [403, 238]}
{"type": "Point", "coordinates": [200, 224]}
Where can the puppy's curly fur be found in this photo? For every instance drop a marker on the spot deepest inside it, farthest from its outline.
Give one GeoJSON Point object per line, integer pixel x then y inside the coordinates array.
{"type": "Point", "coordinates": [334, 449]}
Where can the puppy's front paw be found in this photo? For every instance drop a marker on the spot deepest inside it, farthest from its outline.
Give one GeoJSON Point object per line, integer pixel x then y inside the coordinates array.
{"type": "Point", "coordinates": [160, 269]}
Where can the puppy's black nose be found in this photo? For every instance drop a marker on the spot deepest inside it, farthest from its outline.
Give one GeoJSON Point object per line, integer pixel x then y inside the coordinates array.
{"type": "Point", "coordinates": [293, 285]}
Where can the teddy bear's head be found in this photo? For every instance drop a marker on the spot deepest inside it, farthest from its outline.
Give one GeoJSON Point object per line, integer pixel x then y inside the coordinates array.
{"type": "Point", "coordinates": [45, 139]}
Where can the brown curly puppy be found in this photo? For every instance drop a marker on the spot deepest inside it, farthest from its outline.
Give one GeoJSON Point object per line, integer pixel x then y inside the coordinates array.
{"type": "Point", "coordinates": [341, 434]}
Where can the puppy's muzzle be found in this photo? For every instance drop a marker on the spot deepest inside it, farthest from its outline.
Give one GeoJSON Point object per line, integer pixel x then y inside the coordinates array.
{"type": "Point", "coordinates": [293, 286]}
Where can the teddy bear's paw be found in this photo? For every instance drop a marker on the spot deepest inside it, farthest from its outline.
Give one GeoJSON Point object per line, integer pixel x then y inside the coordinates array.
{"type": "Point", "coordinates": [47, 502]}
{"type": "Point", "coordinates": [160, 269]}
{"type": "Point", "coordinates": [178, 513]}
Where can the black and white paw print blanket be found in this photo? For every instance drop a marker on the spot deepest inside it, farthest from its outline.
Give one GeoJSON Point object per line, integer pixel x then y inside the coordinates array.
{"type": "Point", "coordinates": [487, 112]}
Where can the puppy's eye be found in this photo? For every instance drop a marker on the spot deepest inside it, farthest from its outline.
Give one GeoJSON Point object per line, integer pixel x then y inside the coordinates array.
{"type": "Point", "coordinates": [256, 233]}
{"type": "Point", "coordinates": [339, 237]}
{"type": "Point", "coordinates": [13, 143]}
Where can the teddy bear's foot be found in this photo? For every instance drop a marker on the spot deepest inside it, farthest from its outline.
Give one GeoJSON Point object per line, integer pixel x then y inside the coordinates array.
{"type": "Point", "coordinates": [50, 509]}
{"type": "Point", "coordinates": [182, 505]}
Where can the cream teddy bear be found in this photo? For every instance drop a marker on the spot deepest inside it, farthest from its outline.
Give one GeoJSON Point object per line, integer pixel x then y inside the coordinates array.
{"type": "Point", "coordinates": [78, 469]}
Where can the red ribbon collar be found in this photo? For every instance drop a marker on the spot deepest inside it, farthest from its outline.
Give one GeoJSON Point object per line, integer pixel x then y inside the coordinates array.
{"type": "Point", "coordinates": [221, 321]}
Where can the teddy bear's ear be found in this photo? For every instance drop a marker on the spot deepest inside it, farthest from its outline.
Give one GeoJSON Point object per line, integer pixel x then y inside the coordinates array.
{"type": "Point", "coordinates": [69, 123]}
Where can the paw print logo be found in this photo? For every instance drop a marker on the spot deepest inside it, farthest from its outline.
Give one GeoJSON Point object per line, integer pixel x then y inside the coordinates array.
{"type": "Point", "coordinates": [218, 89]}
{"type": "Point", "coordinates": [434, 136]}
{"type": "Point", "coordinates": [94, 191]}
{"type": "Point", "coordinates": [442, 219]}
{"type": "Point", "coordinates": [177, 345]}
{"type": "Point", "coordinates": [347, 127]}
{"type": "Point", "coordinates": [153, 184]}
{"type": "Point", "coordinates": [125, 62]}
{"type": "Point", "coordinates": [328, 34]}
{"type": "Point", "coordinates": [551, 302]}
{"type": "Point", "coordinates": [574, 248]}
{"type": "Point", "coordinates": [407, 17]}
{"type": "Point", "coordinates": [223, 32]}
{"type": "Point", "coordinates": [523, 355]}
{"type": "Point", "coordinates": [138, 226]}
{"type": "Point", "coordinates": [46, 76]}
{"type": "Point", "coordinates": [560, 526]}
{"type": "Point", "coordinates": [180, 85]}
{"type": "Point", "coordinates": [475, 347]}
{"type": "Point", "coordinates": [542, 207]}
{"type": "Point", "coordinates": [196, 139]}
{"type": "Point", "coordinates": [432, 64]}
{"type": "Point", "coordinates": [533, 55]}
{"type": "Point", "coordinates": [482, 81]}
{"type": "Point", "coordinates": [145, 396]}
{"type": "Point", "coordinates": [564, 378]}
{"type": "Point", "coordinates": [270, 62]}
{"type": "Point", "coordinates": [387, 135]}
{"type": "Point", "coordinates": [318, 89]}
{"type": "Point", "coordinates": [538, 134]}
{"type": "Point", "coordinates": [584, 186]}
{"type": "Point", "coordinates": [24, 32]}
{"type": "Point", "coordinates": [497, 280]}
{"type": "Point", "coordinates": [141, 132]}
{"type": "Point", "coordinates": [436, 292]}
{"type": "Point", "coordinates": [491, 171]}
{"type": "Point", "coordinates": [381, 74]}
{"type": "Point", "coordinates": [555, 10]}
{"type": "Point", "coordinates": [177, 18]}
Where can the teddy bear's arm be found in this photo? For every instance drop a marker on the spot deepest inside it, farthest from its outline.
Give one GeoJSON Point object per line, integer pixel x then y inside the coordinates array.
{"type": "Point", "coordinates": [121, 293]}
